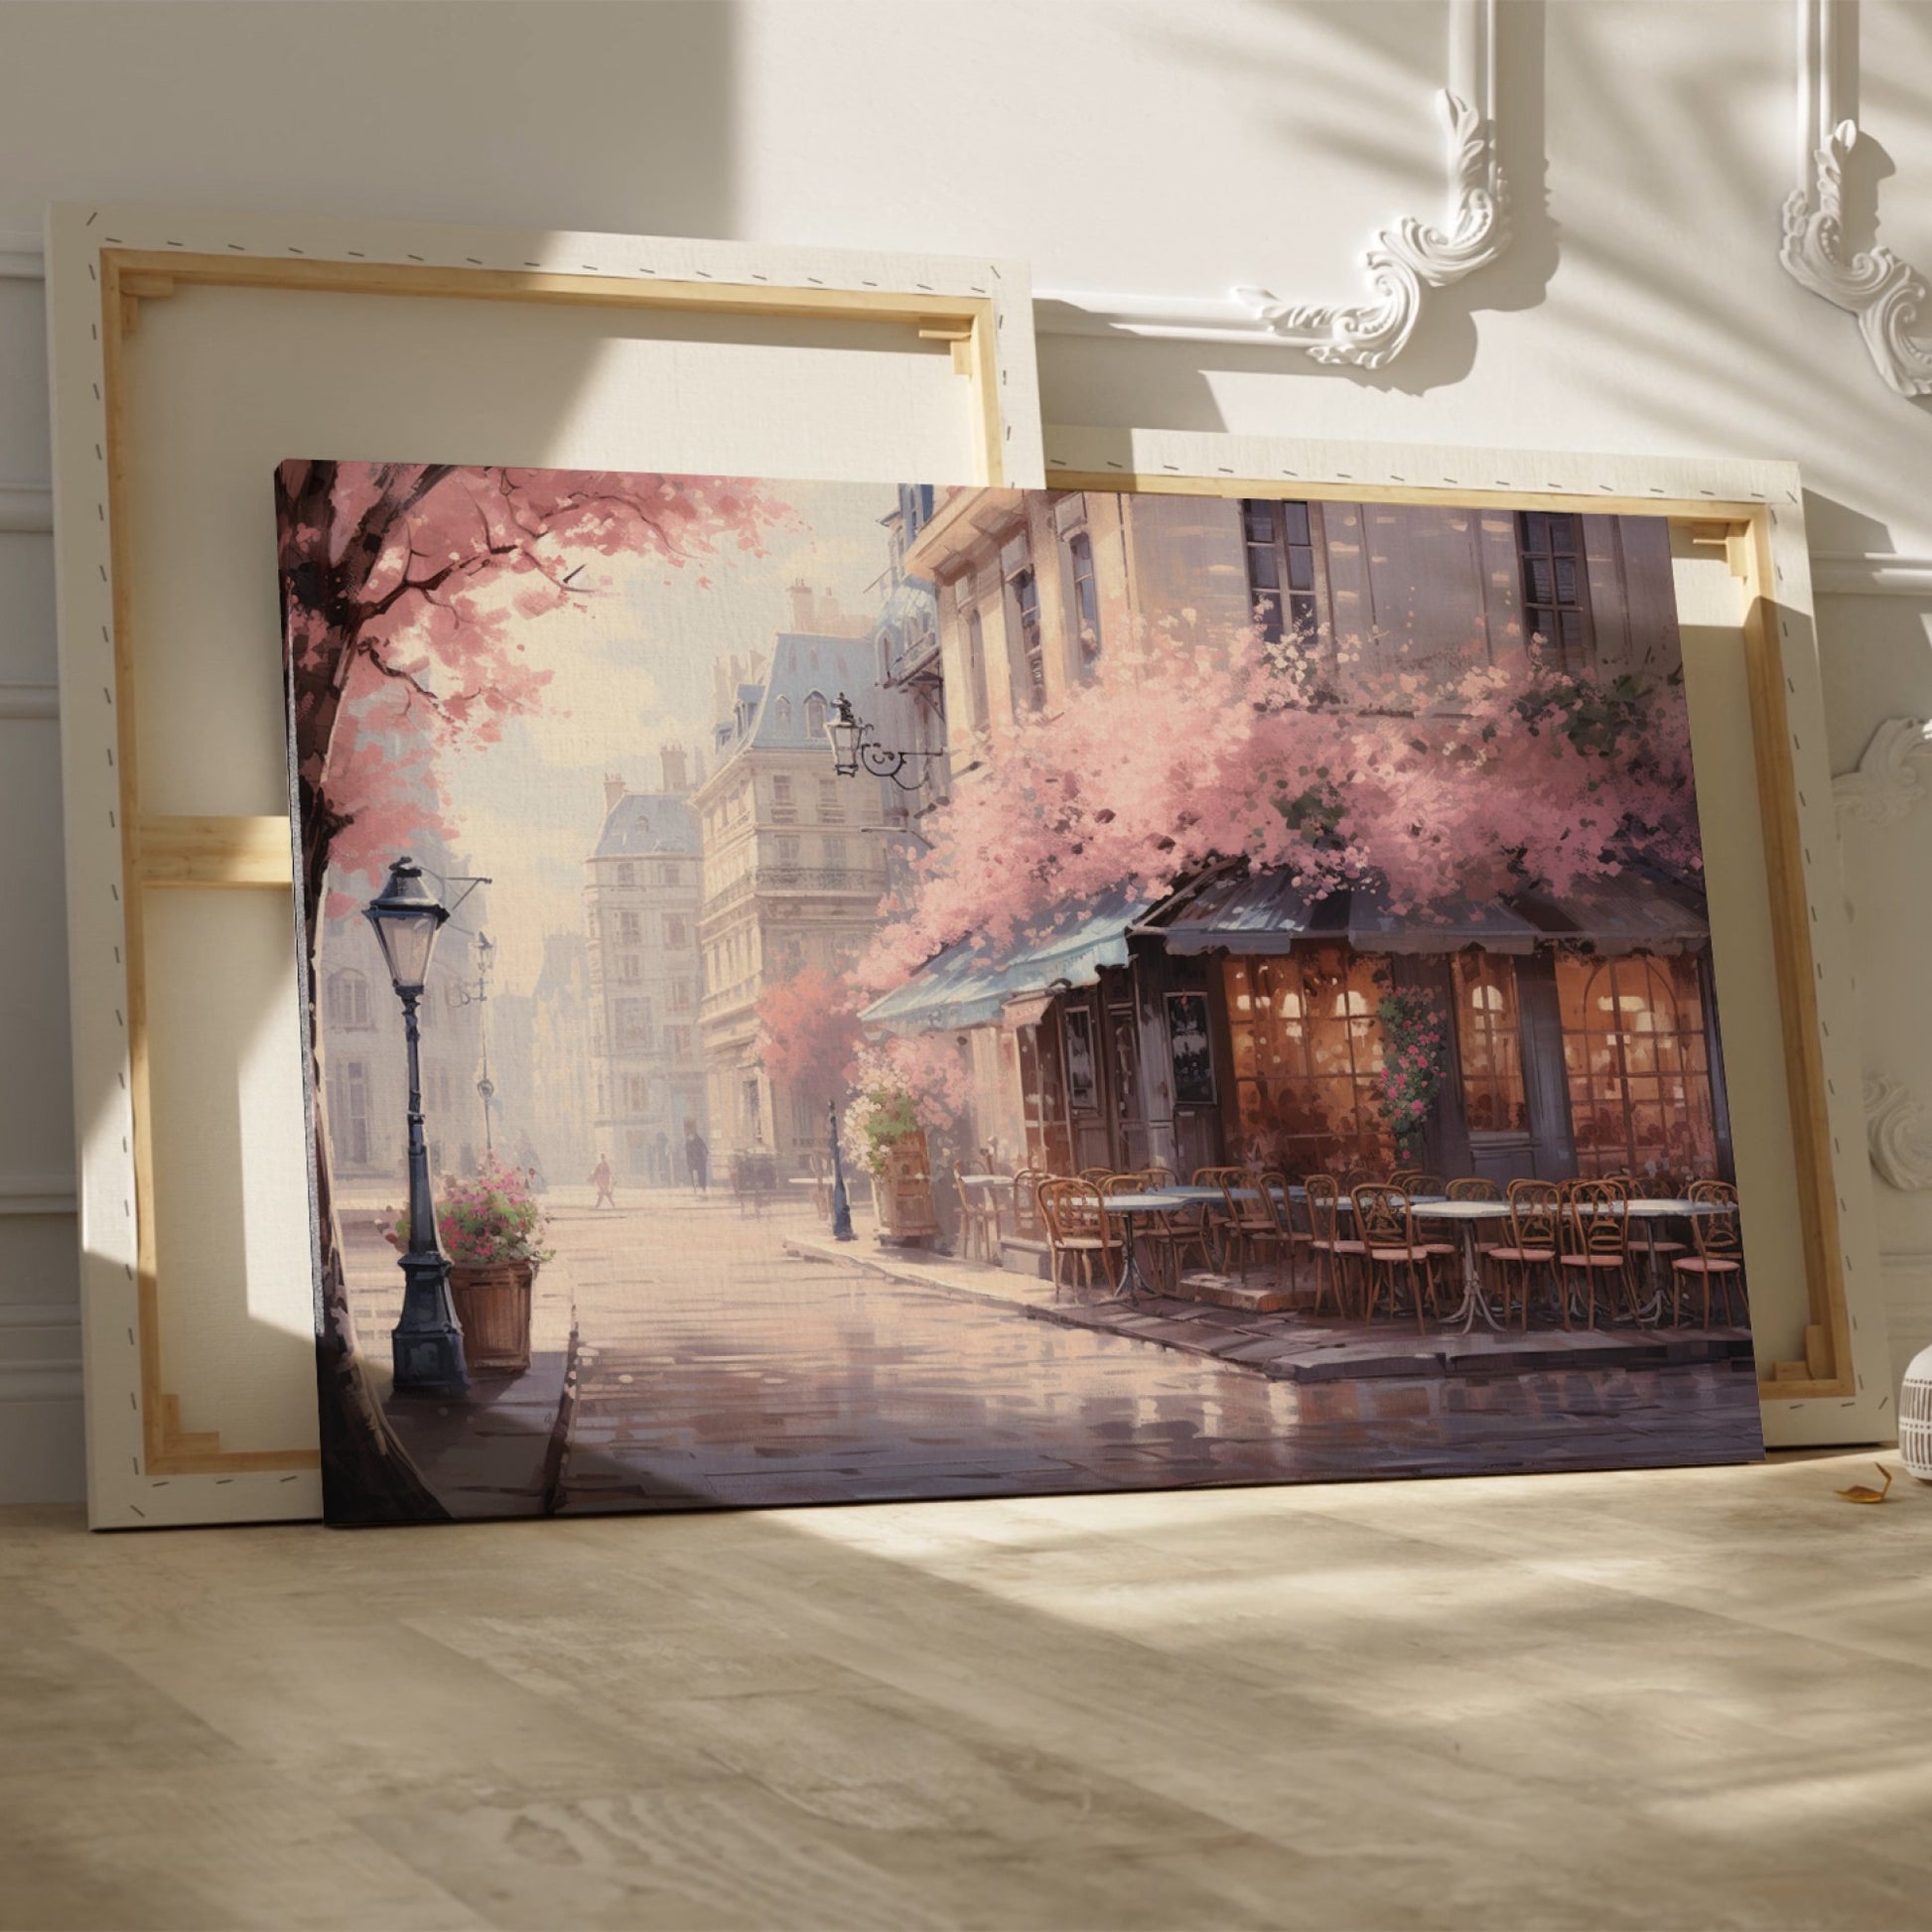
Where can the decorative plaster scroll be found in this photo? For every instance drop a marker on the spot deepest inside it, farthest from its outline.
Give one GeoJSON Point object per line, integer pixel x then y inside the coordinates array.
{"type": "Point", "coordinates": [1886, 785]}
{"type": "Point", "coordinates": [1888, 296]}
{"type": "Point", "coordinates": [1899, 1130]}
{"type": "Point", "coordinates": [1404, 262]}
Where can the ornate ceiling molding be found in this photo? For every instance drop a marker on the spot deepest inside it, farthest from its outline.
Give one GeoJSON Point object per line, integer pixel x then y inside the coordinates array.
{"type": "Point", "coordinates": [1888, 295]}
{"type": "Point", "coordinates": [1886, 785]}
{"type": "Point", "coordinates": [1898, 1131]}
{"type": "Point", "coordinates": [1405, 262]}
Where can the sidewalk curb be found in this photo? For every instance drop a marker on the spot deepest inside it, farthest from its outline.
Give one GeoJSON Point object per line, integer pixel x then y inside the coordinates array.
{"type": "Point", "coordinates": [1437, 1356]}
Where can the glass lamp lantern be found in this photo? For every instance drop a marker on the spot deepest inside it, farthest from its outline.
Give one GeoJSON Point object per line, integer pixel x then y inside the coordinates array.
{"type": "Point", "coordinates": [406, 916]}
{"type": "Point", "coordinates": [844, 730]}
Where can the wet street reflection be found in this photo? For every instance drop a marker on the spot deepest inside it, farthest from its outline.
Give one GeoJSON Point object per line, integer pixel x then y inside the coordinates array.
{"type": "Point", "coordinates": [714, 1371]}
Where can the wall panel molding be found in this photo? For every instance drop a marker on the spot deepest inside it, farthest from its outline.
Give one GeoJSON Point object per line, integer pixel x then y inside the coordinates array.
{"type": "Point", "coordinates": [1887, 294]}
{"type": "Point", "coordinates": [38, 1194]}
{"type": "Point", "coordinates": [40, 1351]}
{"type": "Point", "coordinates": [1870, 573]}
{"type": "Point", "coordinates": [28, 508]}
{"type": "Point", "coordinates": [1406, 262]}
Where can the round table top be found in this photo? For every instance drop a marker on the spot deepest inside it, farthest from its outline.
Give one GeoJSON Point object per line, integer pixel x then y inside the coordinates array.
{"type": "Point", "coordinates": [1440, 1208]}
{"type": "Point", "coordinates": [1160, 1204]}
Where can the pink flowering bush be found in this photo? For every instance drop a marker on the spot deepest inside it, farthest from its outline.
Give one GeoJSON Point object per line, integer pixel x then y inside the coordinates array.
{"type": "Point", "coordinates": [905, 1086]}
{"type": "Point", "coordinates": [1415, 1062]}
{"type": "Point", "coordinates": [1436, 774]}
{"type": "Point", "coordinates": [485, 1220]}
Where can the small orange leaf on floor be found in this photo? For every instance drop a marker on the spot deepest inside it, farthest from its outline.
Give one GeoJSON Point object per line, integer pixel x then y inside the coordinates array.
{"type": "Point", "coordinates": [1863, 1492]}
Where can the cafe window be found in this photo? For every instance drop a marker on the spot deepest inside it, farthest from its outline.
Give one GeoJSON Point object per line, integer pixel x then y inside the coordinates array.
{"type": "Point", "coordinates": [1308, 1058]}
{"type": "Point", "coordinates": [1489, 1032]}
{"type": "Point", "coordinates": [1279, 544]}
{"type": "Point", "coordinates": [1556, 584]}
{"type": "Point", "coordinates": [1638, 1066]}
{"type": "Point", "coordinates": [1086, 601]}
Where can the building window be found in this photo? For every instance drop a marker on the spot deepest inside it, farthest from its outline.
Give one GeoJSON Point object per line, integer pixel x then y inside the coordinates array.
{"type": "Point", "coordinates": [679, 1039]}
{"type": "Point", "coordinates": [1489, 1032]}
{"type": "Point", "coordinates": [1556, 585]}
{"type": "Point", "coordinates": [631, 930]}
{"type": "Point", "coordinates": [1281, 568]}
{"type": "Point", "coordinates": [438, 1096]}
{"type": "Point", "coordinates": [1633, 1048]}
{"type": "Point", "coordinates": [788, 851]}
{"type": "Point", "coordinates": [346, 1000]}
{"type": "Point", "coordinates": [834, 854]}
{"type": "Point", "coordinates": [671, 873]}
{"type": "Point", "coordinates": [630, 968]}
{"type": "Point", "coordinates": [1308, 1059]}
{"type": "Point", "coordinates": [676, 933]}
{"type": "Point", "coordinates": [348, 1107]}
{"type": "Point", "coordinates": [637, 1094]}
{"type": "Point", "coordinates": [781, 713]}
{"type": "Point", "coordinates": [831, 807]}
{"type": "Point", "coordinates": [815, 716]}
{"type": "Point", "coordinates": [631, 1024]}
{"type": "Point", "coordinates": [1086, 601]}
{"type": "Point", "coordinates": [680, 996]}
{"type": "Point", "coordinates": [980, 708]}
{"type": "Point", "coordinates": [627, 873]}
{"type": "Point", "coordinates": [1026, 653]}
{"type": "Point", "coordinates": [785, 807]}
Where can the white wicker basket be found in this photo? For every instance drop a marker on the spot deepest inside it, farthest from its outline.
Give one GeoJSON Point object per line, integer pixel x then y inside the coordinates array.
{"type": "Point", "coordinates": [1915, 1416]}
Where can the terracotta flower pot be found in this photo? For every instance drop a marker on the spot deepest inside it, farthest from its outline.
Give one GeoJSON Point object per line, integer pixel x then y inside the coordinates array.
{"type": "Point", "coordinates": [492, 1303]}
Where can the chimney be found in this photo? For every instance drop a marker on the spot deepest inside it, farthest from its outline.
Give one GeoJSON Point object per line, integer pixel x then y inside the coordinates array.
{"type": "Point", "coordinates": [799, 604]}
{"type": "Point", "coordinates": [830, 617]}
{"type": "Point", "coordinates": [613, 793]}
{"type": "Point", "coordinates": [672, 758]}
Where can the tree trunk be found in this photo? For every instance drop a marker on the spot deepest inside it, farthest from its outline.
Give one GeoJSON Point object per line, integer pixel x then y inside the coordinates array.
{"type": "Point", "coordinates": [366, 1476]}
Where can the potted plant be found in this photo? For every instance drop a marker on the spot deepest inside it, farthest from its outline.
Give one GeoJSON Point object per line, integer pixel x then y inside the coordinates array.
{"type": "Point", "coordinates": [883, 1126]}
{"type": "Point", "coordinates": [489, 1227]}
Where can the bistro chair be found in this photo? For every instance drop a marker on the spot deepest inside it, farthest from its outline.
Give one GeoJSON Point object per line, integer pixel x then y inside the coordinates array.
{"type": "Point", "coordinates": [1720, 1252]}
{"type": "Point", "coordinates": [1179, 1229]}
{"type": "Point", "coordinates": [1026, 1223]}
{"type": "Point", "coordinates": [1095, 1174]}
{"type": "Point", "coordinates": [979, 1218]}
{"type": "Point", "coordinates": [1535, 1241]}
{"type": "Point", "coordinates": [1279, 1195]}
{"type": "Point", "coordinates": [1333, 1253]}
{"type": "Point", "coordinates": [1402, 1178]}
{"type": "Point", "coordinates": [1429, 1184]}
{"type": "Point", "coordinates": [1474, 1189]}
{"type": "Point", "coordinates": [1387, 1231]}
{"type": "Point", "coordinates": [1250, 1221]}
{"type": "Point", "coordinates": [1077, 1229]}
{"type": "Point", "coordinates": [1215, 1213]}
{"type": "Point", "coordinates": [1599, 1238]}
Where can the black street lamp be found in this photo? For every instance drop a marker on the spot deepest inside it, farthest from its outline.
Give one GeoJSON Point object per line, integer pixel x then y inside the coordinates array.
{"type": "Point", "coordinates": [428, 1340]}
{"type": "Point", "coordinates": [855, 747]}
{"type": "Point", "coordinates": [841, 1201]}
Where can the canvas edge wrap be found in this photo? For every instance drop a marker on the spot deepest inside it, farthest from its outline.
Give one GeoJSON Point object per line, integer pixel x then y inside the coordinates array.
{"type": "Point", "coordinates": [1841, 1393]}
{"type": "Point", "coordinates": [143, 1469]}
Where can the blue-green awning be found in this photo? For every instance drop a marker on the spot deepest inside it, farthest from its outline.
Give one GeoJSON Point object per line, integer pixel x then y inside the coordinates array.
{"type": "Point", "coordinates": [971, 982]}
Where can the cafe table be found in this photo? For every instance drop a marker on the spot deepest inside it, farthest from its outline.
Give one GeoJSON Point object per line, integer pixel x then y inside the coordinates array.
{"type": "Point", "coordinates": [1470, 1216]}
{"type": "Point", "coordinates": [1651, 1213]}
{"type": "Point", "coordinates": [1130, 1209]}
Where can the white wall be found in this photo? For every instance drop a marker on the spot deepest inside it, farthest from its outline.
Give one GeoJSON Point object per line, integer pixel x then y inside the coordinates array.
{"type": "Point", "coordinates": [1123, 145]}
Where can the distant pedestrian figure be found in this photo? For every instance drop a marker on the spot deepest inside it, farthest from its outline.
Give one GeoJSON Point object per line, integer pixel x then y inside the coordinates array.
{"type": "Point", "coordinates": [601, 1180]}
{"type": "Point", "coordinates": [697, 1157]}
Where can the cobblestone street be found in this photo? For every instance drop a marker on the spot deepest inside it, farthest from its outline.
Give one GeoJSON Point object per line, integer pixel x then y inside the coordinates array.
{"type": "Point", "coordinates": [714, 1369]}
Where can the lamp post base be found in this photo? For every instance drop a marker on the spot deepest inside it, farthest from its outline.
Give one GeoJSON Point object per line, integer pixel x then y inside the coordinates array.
{"type": "Point", "coordinates": [427, 1342]}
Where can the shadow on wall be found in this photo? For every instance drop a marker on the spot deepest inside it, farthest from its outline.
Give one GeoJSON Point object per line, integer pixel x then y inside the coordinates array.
{"type": "Point", "coordinates": [1370, 53]}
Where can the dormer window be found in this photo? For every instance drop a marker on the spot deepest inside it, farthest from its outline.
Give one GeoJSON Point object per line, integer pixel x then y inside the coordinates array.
{"type": "Point", "coordinates": [815, 715]}
{"type": "Point", "coordinates": [781, 711]}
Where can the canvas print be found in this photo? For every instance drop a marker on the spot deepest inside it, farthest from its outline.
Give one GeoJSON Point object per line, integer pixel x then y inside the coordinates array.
{"type": "Point", "coordinates": [827, 991]}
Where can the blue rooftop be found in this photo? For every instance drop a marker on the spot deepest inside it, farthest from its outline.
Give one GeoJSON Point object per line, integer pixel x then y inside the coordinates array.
{"type": "Point", "coordinates": [646, 822]}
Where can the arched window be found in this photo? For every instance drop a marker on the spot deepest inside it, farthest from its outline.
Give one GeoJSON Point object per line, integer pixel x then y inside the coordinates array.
{"type": "Point", "coordinates": [346, 1000]}
{"type": "Point", "coordinates": [781, 714]}
{"type": "Point", "coordinates": [1633, 1048]}
{"type": "Point", "coordinates": [1489, 1035]}
{"type": "Point", "coordinates": [815, 715]}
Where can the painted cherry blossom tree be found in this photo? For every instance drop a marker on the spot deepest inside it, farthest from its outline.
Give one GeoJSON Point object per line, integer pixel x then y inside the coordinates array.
{"type": "Point", "coordinates": [408, 592]}
{"type": "Point", "coordinates": [809, 1034]}
{"type": "Point", "coordinates": [1436, 779]}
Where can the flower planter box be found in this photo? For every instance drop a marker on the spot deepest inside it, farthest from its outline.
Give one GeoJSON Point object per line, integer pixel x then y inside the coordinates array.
{"type": "Point", "coordinates": [492, 1305]}
{"type": "Point", "coordinates": [907, 1212]}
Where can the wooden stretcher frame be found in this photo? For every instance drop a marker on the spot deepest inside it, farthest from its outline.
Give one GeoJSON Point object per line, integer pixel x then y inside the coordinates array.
{"type": "Point", "coordinates": [146, 1466]}
{"type": "Point", "coordinates": [1835, 1385]}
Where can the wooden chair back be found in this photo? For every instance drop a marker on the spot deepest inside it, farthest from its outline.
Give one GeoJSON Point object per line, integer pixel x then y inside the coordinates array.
{"type": "Point", "coordinates": [1026, 1220]}
{"type": "Point", "coordinates": [1404, 1178]}
{"type": "Point", "coordinates": [1324, 1207]}
{"type": "Point", "coordinates": [1719, 1236]}
{"type": "Point", "coordinates": [1276, 1198]}
{"type": "Point", "coordinates": [1382, 1217]}
{"type": "Point", "coordinates": [1597, 1223]}
{"type": "Point", "coordinates": [1535, 1215]}
{"type": "Point", "coordinates": [1428, 1183]}
{"type": "Point", "coordinates": [1472, 1189]}
{"type": "Point", "coordinates": [1071, 1208]}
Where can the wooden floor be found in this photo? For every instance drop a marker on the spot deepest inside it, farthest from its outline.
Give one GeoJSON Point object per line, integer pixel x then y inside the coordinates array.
{"type": "Point", "coordinates": [1680, 1699]}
